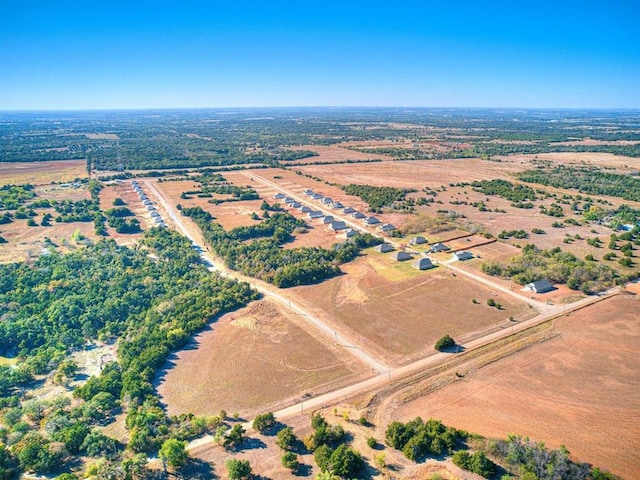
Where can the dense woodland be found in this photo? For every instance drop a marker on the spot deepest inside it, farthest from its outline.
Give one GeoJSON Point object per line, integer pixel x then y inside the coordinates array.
{"type": "Point", "coordinates": [150, 305]}
{"type": "Point", "coordinates": [199, 138]}
{"type": "Point", "coordinates": [256, 250]}
{"type": "Point", "coordinates": [589, 180]}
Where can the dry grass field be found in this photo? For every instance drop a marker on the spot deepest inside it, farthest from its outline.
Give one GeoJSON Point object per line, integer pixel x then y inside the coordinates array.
{"type": "Point", "coordinates": [253, 360]}
{"type": "Point", "coordinates": [579, 389]}
{"type": "Point", "coordinates": [590, 158]}
{"type": "Point", "coordinates": [41, 173]}
{"type": "Point", "coordinates": [335, 153]}
{"type": "Point", "coordinates": [399, 312]}
{"type": "Point", "coordinates": [415, 174]}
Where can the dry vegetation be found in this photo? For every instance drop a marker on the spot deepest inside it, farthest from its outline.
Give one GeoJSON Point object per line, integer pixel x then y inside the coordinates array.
{"type": "Point", "coordinates": [252, 360]}
{"type": "Point", "coordinates": [578, 389]}
{"type": "Point", "coordinates": [399, 312]}
{"type": "Point", "coordinates": [41, 173]}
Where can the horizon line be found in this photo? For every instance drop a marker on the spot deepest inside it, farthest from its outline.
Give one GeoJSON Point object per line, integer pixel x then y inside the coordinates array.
{"type": "Point", "coordinates": [291, 107]}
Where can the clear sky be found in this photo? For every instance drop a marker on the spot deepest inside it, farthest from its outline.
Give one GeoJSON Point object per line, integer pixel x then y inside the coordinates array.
{"type": "Point", "coordinates": [97, 54]}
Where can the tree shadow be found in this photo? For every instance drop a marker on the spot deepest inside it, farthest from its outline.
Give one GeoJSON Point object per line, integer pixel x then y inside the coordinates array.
{"type": "Point", "coordinates": [303, 470]}
{"type": "Point", "coordinates": [196, 469]}
{"type": "Point", "coordinates": [251, 443]}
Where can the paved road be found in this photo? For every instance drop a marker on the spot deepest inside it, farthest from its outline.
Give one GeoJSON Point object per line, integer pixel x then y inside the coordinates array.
{"type": "Point", "coordinates": [357, 350]}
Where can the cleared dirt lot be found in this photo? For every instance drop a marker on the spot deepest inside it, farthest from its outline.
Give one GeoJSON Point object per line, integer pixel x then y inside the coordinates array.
{"type": "Point", "coordinates": [253, 360]}
{"type": "Point", "coordinates": [579, 389]}
{"type": "Point", "coordinates": [39, 173]}
{"type": "Point", "coordinates": [399, 312]}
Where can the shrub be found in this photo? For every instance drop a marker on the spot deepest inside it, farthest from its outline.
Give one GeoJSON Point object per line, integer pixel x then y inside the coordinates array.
{"type": "Point", "coordinates": [444, 343]}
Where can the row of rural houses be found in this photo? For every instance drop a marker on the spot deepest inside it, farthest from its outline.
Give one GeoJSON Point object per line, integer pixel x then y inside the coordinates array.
{"type": "Point", "coordinates": [329, 202]}
{"type": "Point", "coordinates": [155, 215]}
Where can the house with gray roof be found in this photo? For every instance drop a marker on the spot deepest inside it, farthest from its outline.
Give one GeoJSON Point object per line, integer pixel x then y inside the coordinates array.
{"type": "Point", "coordinates": [423, 263]}
{"type": "Point", "coordinates": [384, 248]}
{"type": "Point", "coordinates": [438, 247]}
{"type": "Point", "coordinates": [540, 286]}
{"type": "Point", "coordinates": [462, 255]}
{"type": "Point", "coordinates": [337, 226]}
{"type": "Point", "coordinates": [401, 256]}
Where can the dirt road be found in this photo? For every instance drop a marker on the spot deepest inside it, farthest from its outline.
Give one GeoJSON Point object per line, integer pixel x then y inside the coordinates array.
{"type": "Point", "coordinates": [269, 292]}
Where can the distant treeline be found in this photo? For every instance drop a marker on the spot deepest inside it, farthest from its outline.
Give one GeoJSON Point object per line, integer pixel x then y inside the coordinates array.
{"type": "Point", "coordinates": [590, 180]}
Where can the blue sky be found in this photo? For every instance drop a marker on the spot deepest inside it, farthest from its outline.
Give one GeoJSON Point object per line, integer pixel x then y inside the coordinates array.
{"type": "Point", "coordinates": [94, 54]}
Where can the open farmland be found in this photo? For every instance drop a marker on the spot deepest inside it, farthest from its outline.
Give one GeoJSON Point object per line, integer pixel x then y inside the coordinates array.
{"type": "Point", "coordinates": [335, 153]}
{"type": "Point", "coordinates": [579, 389]}
{"type": "Point", "coordinates": [252, 360]}
{"type": "Point", "coordinates": [399, 312]}
{"type": "Point", "coordinates": [415, 174]}
{"type": "Point", "coordinates": [40, 173]}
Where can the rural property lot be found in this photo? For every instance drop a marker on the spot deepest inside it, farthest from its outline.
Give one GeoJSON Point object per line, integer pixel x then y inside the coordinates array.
{"type": "Point", "coordinates": [415, 174]}
{"type": "Point", "coordinates": [39, 173]}
{"type": "Point", "coordinates": [399, 312]}
{"type": "Point", "coordinates": [335, 153]}
{"type": "Point", "coordinates": [579, 389]}
{"type": "Point", "coordinates": [254, 360]}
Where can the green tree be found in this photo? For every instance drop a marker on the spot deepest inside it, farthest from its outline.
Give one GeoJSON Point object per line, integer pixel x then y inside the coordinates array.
{"type": "Point", "coordinates": [173, 452]}
{"type": "Point", "coordinates": [238, 469]}
{"type": "Point", "coordinates": [264, 422]}
{"type": "Point", "coordinates": [234, 437]}
{"type": "Point", "coordinates": [290, 461]}
{"type": "Point", "coordinates": [444, 343]}
{"type": "Point", "coordinates": [286, 439]}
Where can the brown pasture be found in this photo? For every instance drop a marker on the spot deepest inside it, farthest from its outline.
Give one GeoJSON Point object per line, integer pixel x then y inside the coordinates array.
{"type": "Point", "coordinates": [579, 389]}
{"type": "Point", "coordinates": [415, 174]}
{"type": "Point", "coordinates": [40, 173]}
{"type": "Point", "coordinates": [334, 153]}
{"type": "Point", "coordinates": [592, 158]}
{"type": "Point", "coordinates": [252, 360]}
{"type": "Point", "coordinates": [399, 313]}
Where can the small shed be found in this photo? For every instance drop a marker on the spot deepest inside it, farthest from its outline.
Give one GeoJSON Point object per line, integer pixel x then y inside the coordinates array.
{"type": "Point", "coordinates": [540, 286]}
{"type": "Point", "coordinates": [384, 248]}
{"type": "Point", "coordinates": [401, 256]}
{"type": "Point", "coordinates": [423, 263]}
{"type": "Point", "coordinates": [417, 241]}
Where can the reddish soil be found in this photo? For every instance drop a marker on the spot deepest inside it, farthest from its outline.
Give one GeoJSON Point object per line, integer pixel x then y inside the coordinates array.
{"type": "Point", "coordinates": [399, 313]}
{"type": "Point", "coordinates": [252, 360]}
{"type": "Point", "coordinates": [579, 389]}
{"type": "Point", "coordinates": [40, 173]}
{"type": "Point", "coordinates": [334, 153]}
